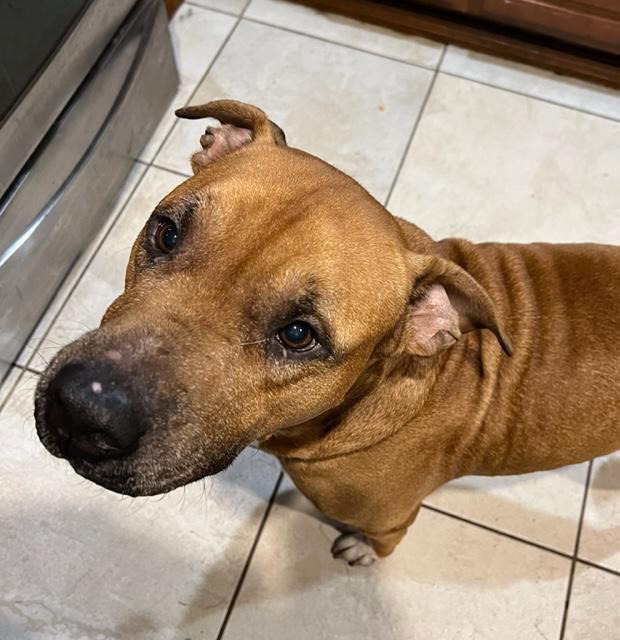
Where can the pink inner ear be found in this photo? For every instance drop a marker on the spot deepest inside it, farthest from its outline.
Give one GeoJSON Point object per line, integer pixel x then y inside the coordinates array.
{"type": "Point", "coordinates": [432, 323]}
{"type": "Point", "coordinates": [219, 141]}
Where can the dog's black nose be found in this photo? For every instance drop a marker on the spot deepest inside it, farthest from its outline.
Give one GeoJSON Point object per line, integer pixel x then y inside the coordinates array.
{"type": "Point", "coordinates": [91, 412]}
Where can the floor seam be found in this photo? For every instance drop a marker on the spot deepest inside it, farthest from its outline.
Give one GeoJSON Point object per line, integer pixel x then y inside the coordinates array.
{"type": "Point", "coordinates": [571, 576]}
{"type": "Point", "coordinates": [214, 9]}
{"type": "Point", "coordinates": [517, 538]}
{"type": "Point", "coordinates": [32, 370]}
{"type": "Point", "coordinates": [176, 172]}
{"type": "Point", "coordinates": [528, 95]}
{"type": "Point", "coordinates": [416, 123]}
{"type": "Point", "coordinates": [248, 560]}
{"type": "Point", "coordinates": [594, 565]}
{"type": "Point", "coordinates": [417, 65]}
{"type": "Point", "coordinates": [24, 367]}
{"type": "Point", "coordinates": [501, 532]}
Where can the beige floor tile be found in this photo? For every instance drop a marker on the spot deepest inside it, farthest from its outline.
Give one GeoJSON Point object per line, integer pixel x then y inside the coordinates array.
{"type": "Point", "coordinates": [197, 34]}
{"type": "Point", "coordinates": [76, 271]}
{"type": "Point", "coordinates": [231, 6]}
{"type": "Point", "coordinates": [446, 581]}
{"type": "Point", "coordinates": [532, 81]}
{"type": "Point", "coordinates": [349, 107]}
{"type": "Point", "coordinates": [487, 164]}
{"type": "Point", "coordinates": [600, 536]}
{"type": "Point", "coordinates": [80, 562]}
{"type": "Point", "coordinates": [593, 613]}
{"type": "Point", "coordinates": [541, 507]}
{"type": "Point", "coordinates": [104, 279]}
{"type": "Point", "coordinates": [343, 30]}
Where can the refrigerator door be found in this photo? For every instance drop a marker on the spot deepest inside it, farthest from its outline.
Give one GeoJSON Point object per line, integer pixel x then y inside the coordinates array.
{"type": "Point", "coordinates": [46, 49]}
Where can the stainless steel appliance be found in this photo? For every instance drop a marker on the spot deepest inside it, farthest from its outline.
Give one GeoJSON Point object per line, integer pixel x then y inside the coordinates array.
{"type": "Point", "coordinates": [82, 85]}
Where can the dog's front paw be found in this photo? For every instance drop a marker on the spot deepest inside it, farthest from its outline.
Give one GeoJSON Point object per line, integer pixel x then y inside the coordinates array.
{"type": "Point", "coordinates": [354, 549]}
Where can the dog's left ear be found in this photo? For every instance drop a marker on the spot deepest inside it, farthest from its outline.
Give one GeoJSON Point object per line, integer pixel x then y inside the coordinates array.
{"type": "Point", "coordinates": [240, 124]}
{"type": "Point", "coordinates": [445, 302]}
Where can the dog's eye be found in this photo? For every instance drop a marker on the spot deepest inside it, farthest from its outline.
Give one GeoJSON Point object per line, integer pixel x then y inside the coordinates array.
{"type": "Point", "coordinates": [298, 336]}
{"type": "Point", "coordinates": [166, 236]}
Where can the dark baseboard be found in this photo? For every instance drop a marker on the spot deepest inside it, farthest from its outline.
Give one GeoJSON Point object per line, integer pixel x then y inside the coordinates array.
{"type": "Point", "coordinates": [483, 36]}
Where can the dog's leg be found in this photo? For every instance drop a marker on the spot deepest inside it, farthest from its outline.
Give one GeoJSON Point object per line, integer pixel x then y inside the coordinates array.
{"type": "Point", "coordinates": [385, 543]}
{"type": "Point", "coordinates": [371, 516]}
{"type": "Point", "coordinates": [362, 549]}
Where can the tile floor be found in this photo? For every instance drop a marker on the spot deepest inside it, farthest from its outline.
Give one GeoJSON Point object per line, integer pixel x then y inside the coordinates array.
{"type": "Point", "coordinates": [461, 144]}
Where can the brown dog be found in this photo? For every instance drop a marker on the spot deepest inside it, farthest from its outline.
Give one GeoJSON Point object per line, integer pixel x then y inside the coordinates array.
{"type": "Point", "coordinates": [269, 298]}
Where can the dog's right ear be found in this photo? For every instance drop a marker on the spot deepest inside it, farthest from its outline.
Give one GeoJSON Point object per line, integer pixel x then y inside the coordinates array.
{"type": "Point", "coordinates": [240, 124]}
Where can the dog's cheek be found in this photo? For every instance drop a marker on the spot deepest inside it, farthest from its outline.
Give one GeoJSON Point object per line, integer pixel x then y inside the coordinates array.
{"type": "Point", "coordinates": [308, 397]}
{"type": "Point", "coordinates": [113, 310]}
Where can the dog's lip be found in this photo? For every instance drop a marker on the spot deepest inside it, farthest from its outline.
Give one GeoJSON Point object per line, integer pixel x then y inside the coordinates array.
{"type": "Point", "coordinates": [125, 483]}
{"type": "Point", "coordinates": [94, 472]}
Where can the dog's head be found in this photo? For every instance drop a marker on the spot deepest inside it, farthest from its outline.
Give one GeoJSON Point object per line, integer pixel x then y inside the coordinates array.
{"type": "Point", "coordinates": [255, 297]}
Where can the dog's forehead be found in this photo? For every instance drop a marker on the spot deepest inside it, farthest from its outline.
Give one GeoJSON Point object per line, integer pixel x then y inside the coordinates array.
{"type": "Point", "coordinates": [278, 219]}
{"type": "Point", "coordinates": [282, 195]}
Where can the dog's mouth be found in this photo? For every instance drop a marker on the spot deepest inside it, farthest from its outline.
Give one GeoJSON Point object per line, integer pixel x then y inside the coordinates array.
{"type": "Point", "coordinates": [150, 465]}
{"type": "Point", "coordinates": [137, 473]}
{"type": "Point", "coordinates": [136, 480]}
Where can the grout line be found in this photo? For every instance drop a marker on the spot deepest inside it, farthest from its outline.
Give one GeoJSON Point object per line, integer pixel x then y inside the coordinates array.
{"type": "Point", "coordinates": [161, 167]}
{"type": "Point", "coordinates": [529, 95]}
{"type": "Point", "coordinates": [215, 9]}
{"type": "Point", "coordinates": [248, 560]}
{"type": "Point", "coordinates": [613, 572]}
{"type": "Point", "coordinates": [403, 158]}
{"type": "Point", "coordinates": [517, 538]}
{"type": "Point", "coordinates": [25, 367]}
{"type": "Point", "coordinates": [571, 576]}
{"type": "Point", "coordinates": [31, 370]}
{"type": "Point", "coordinates": [169, 170]}
{"type": "Point", "coordinates": [417, 65]}
{"type": "Point", "coordinates": [500, 532]}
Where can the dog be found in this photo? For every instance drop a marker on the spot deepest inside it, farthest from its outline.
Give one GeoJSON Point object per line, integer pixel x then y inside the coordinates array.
{"type": "Point", "coordinates": [270, 299]}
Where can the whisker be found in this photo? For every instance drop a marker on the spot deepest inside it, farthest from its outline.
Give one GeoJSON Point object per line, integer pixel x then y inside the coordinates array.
{"type": "Point", "coordinates": [244, 344]}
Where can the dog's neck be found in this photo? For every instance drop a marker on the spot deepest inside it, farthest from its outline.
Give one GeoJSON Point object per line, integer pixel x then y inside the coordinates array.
{"type": "Point", "coordinates": [371, 411]}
